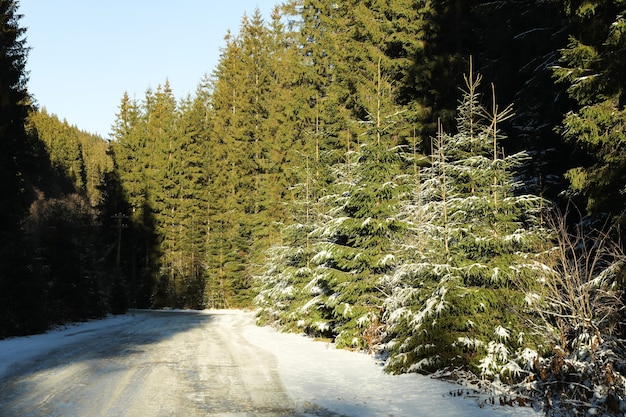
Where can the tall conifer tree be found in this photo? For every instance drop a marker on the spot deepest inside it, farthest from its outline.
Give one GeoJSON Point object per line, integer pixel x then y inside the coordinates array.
{"type": "Point", "coordinates": [159, 170]}
{"type": "Point", "coordinates": [190, 201]}
{"type": "Point", "coordinates": [226, 245]}
{"type": "Point", "coordinates": [14, 107]}
{"type": "Point", "coordinates": [254, 130]}
{"type": "Point", "coordinates": [18, 287]}
{"type": "Point", "coordinates": [130, 152]}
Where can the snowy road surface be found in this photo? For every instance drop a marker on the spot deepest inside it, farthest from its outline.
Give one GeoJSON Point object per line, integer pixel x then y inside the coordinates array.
{"type": "Point", "coordinates": [161, 364]}
{"type": "Point", "coordinates": [211, 363]}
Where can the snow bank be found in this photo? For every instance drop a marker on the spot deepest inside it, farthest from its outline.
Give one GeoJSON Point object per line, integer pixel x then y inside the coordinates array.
{"type": "Point", "coordinates": [21, 350]}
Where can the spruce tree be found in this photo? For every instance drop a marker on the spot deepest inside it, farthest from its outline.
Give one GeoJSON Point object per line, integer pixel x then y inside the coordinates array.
{"type": "Point", "coordinates": [190, 201]}
{"type": "Point", "coordinates": [358, 233]}
{"type": "Point", "coordinates": [386, 35]}
{"type": "Point", "coordinates": [322, 99]}
{"type": "Point", "coordinates": [159, 130]}
{"type": "Point", "coordinates": [354, 123]}
{"type": "Point", "coordinates": [130, 151]}
{"type": "Point", "coordinates": [282, 129]}
{"type": "Point", "coordinates": [22, 163]}
{"type": "Point", "coordinates": [14, 107]}
{"type": "Point", "coordinates": [262, 183]}
{"type": "Point", "coordinates": [289, 295]}
{"type": "Point", "coordinates": [455, 300]}
{"type": "Point", "coordinates": [305, 151]}
{"type": "Point", "coordinates": [254, 131]}
{"type": "Point", "coordinates": [224, 257]}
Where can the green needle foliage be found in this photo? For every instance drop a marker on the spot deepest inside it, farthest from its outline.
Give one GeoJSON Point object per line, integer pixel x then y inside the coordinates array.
{"type": "Point", "coordinates": [592, 67]}
{"type": "Point", "coordinates": [455, 301]}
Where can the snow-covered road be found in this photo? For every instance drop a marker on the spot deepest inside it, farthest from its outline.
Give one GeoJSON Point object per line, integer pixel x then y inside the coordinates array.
{"type": "Point", "coordinates": [158, 364]}
{"type": "Point", "coordinates": [210, 363]}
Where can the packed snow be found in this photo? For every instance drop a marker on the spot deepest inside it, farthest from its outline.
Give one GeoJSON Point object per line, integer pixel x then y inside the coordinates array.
{"type": "Point", "coordinates": [320, 379]}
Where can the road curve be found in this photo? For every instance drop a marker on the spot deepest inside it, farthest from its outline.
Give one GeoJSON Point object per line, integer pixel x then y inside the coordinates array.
{"type": "Point", "coordinates": [162, 363]}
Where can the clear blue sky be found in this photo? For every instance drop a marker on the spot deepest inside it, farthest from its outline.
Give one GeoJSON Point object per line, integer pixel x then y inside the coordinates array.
{"type": "Point", "coordinates": [86, 53]}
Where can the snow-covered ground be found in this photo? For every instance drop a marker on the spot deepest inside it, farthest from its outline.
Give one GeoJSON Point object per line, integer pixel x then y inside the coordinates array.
{"type": "Point", "coordinates": [321, 380]}
{"type": "Point", "coordinates": [354, 384]}
{"type": "Point", "coordinates": [19, 350]}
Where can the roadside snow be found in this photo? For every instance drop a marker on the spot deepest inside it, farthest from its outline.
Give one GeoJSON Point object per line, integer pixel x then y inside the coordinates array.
{"type": "Point", "coordinates": [319, 379]}
{"type": "Point", "coordinates": [20, 350]}
{"type": "Point", "coordinates": [336, 383]}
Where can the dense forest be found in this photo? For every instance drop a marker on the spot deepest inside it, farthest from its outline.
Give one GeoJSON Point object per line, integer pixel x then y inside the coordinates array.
{"type": "Point", "coordinates": [438, 182]}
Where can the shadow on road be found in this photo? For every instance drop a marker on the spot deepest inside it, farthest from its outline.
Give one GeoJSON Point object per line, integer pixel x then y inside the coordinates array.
{"type": "Point", "coordinates": [146, 328]}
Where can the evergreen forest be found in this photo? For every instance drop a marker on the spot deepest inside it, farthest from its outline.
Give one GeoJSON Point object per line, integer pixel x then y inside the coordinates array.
{"type": "Point", "coordinates": [441, 183]}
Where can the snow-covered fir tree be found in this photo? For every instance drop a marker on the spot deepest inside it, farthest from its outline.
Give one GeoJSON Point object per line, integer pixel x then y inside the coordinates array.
{"type": "Point", "coordinates": [357, 246]}
{"type": "Point", "coordinates": [358, 239]}
{"type": "Point", "coordinates": [338, 293]}
{"type": "Point", "coordinates": [325, 279]}
{"type": "Point", "coordinates": [455, 298]}
{"type": "Point", "coordinates": [290, 296]}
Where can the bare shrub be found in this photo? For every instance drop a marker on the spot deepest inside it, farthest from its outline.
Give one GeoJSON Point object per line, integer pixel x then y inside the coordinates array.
{"type": "Point", "coordinates": [579, 307]}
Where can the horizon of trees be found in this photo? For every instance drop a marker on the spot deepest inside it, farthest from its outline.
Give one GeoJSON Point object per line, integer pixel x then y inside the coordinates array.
{"type": "Point", "coordinates": [354, 171]}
